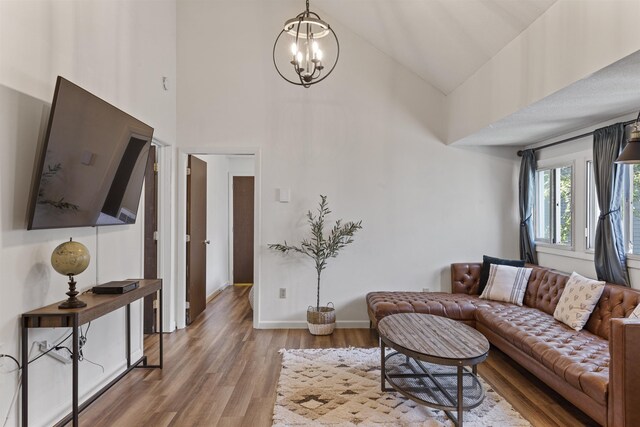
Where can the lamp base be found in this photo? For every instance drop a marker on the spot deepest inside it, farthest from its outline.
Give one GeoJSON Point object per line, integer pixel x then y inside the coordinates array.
{"type": "Point", "coordinates": [72, 301]}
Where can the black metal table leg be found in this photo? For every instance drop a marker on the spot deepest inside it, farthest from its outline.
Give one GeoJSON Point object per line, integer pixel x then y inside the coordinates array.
{"type": "Point", "coordinates": [382, 366]}
{"type": "Point", "coordinates": [25, 373]}
{"type": "Point", "coordinates": [128, 333]}
{"type": "Point", "coordinates": [460, 395]}
{"type": "Point", "coordinates": [76, 353]}
{"type": "Point", "coordinates": [160, 328]}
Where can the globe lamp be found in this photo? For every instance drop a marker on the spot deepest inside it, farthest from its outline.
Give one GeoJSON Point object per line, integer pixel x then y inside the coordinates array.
{"type": "Point", "coordinates": [71, 258]}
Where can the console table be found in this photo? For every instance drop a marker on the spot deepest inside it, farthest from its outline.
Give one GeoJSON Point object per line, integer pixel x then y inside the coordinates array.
{"type": "Point", "coordinates": [97, 306]}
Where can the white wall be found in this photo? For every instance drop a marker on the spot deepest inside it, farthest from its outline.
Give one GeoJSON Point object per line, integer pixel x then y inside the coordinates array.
{"type": "Point", "coordinates": [119, 51]}
{"type": "Point", "coordinates": [368, 137]}
{"type": "Point", "coordinates": [570, 41]}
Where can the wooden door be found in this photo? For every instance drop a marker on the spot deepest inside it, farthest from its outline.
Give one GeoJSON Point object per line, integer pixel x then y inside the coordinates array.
{"type": "Point", "coordinates": [197, 240]}
{"type": "Point", "coordinates": [243, 187]}
{"type": "Point", "coordinates": [150, 242]}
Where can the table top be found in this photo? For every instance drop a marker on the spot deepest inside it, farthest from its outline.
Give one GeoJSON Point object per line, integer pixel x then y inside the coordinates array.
{"type": "Point", "coordinates": [97, 305]}
{"type": "Point", "coordinates": [433, 338]}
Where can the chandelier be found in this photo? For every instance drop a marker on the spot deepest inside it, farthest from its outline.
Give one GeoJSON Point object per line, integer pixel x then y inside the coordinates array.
{"type": "Point", "coordinates": [302, 49]}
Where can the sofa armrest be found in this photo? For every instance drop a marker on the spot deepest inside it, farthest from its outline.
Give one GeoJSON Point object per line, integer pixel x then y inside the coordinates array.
{"type": "Point", "coordinates": [624, 373]}
{"type": "Point", "coordinates": [465, 277]}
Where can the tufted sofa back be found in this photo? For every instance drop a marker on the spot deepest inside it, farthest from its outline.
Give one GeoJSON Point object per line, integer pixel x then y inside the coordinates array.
{"type": "Point", "coordinates": [544, 289]}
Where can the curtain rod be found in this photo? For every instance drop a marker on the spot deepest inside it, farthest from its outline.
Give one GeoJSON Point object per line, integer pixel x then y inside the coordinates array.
{"type": "Point", "coordinates": [573, 138]}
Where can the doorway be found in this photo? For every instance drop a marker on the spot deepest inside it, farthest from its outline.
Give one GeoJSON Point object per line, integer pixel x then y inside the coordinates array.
{"type": "Point", "coordinates": [242, 193]}
{"type": "Point", "coordinates": [226, 256]}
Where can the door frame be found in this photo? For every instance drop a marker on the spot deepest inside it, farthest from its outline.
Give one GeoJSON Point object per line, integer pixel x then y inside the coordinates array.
{"type": "Point", "coordinates": [164, 158]}
{"type": "Point", "coordinates": [181, 225]}
{"type": "Point", "coordinates": [230, 225]}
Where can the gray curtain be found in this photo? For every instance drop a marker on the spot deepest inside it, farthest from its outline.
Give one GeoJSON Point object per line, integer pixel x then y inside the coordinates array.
{"type": "Point", "coordinates": [610, 180]}
{"type": "Point", "coordinates": [527, 186]}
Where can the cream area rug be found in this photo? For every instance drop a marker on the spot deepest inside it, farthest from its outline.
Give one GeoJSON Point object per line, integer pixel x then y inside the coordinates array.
{"type": "Point", "coordinates": [341, 387]}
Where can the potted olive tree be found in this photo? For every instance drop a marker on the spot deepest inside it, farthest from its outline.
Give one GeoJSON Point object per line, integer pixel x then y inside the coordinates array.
{"type": "Point", "coordinates": [322, 320]}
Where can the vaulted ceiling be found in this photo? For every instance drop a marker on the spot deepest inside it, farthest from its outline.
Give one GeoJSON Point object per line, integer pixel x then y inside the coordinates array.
{"type": "Point", "coordinates": [442, 41]}
{"type": "Point", "coordinates": [448, 42]}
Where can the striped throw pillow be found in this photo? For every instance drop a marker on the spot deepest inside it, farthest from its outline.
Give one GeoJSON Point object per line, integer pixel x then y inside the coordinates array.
{"type": "Point", "coordinates": [506, 284]}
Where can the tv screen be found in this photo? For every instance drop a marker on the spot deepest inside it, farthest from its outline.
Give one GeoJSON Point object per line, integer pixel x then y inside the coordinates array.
{"type": "Point", "coordinates": [91, 165]}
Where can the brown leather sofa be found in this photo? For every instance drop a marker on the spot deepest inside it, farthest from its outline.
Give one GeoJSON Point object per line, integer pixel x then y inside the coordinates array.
{"type": "Point", "coordinates": [596, 369]}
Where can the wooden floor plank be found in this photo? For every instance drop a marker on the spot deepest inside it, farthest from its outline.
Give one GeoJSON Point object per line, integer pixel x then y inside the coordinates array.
{"type": "Point", "coordinates": [222, 372]}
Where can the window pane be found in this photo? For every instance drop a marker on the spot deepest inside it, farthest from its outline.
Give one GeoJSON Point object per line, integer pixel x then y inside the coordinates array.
{"type": "Point", "coordinates": [564, 202]}
{"type": "Point", "coordinates": [635, 209]}
{"type": "Point", "coordinates": [543, 206]}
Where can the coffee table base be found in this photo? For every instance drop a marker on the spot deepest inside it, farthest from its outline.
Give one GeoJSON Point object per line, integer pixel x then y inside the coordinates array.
{"type": "Point", "coordinates": [449, 388]}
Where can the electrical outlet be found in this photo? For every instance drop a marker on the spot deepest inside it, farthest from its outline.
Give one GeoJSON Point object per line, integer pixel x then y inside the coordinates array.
{"type": "Point", "coordinates": [426, 289]}
{"type": "Point", "coordinates": [61, 355]}
{"type": "Point", "coordinates": [283, 293]}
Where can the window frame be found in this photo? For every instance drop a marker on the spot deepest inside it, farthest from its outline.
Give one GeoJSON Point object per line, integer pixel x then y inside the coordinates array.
{"type": "Point", "coordinates": [555, 217]}
{"type": "Point", "coordinates": [591, 207]}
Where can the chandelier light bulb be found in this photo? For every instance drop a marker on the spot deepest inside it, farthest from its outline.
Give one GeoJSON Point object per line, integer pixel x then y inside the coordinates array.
{"type": "Point", "coordinates": [294, 49]}
{"type": "Point", "coordinates": [299, 57]}
{"type": "Point", "coordinates": [319, 55]}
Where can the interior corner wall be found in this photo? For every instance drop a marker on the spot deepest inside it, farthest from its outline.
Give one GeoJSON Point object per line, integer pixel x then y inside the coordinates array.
{"type": "Point", "coordinates": [367, 137]}
{"type": "Point", "coordinates": [570, 41]}
{"type": "Point", "coordinates": [118, 51]}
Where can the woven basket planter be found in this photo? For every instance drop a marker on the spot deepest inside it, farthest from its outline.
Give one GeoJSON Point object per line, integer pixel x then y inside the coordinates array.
{"type": "Point", "coordinates": [322, 321]}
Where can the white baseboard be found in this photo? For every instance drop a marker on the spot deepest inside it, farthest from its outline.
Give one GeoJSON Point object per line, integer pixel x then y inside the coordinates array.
{"type": "Point", "coordinates": [341, 324]}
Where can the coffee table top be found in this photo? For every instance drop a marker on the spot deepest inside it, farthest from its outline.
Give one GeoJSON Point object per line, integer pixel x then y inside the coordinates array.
{"type": "Point", "coordinates": [433, 338]}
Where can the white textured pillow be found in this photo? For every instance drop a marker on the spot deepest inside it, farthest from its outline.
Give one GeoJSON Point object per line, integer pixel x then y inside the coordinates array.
{"type": "Point", "coordinates": [635, 314]}
{"type": "Point", "coordinates": [578, 300]}
{"type": "Point", "coordinates": [506, 283]}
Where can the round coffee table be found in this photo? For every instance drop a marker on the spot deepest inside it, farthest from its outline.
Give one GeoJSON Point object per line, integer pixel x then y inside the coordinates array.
{"type": "Point", "coordinates": [429, 363]}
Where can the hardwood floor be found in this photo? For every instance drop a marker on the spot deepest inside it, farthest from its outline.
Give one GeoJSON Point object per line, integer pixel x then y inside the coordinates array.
{"type": "Point", "coordinates": [222, 372]}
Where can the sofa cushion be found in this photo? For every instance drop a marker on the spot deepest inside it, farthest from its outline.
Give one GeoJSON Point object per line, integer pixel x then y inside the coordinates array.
{"type": "Point", "coordinates": [453, 306]}
{"type": "Point", "coordinates": [506, 284]}
{"type": "Point", "coordinates": [487, 262]}
{"type": "Point", "coordinates": [544, 289]}
{"type": "Point", "coordinates": [579, 358]}
{"type": "Point", "coordinates": [578, 299]}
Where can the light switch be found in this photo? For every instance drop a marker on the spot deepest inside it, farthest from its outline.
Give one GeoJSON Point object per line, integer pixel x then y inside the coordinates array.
{"type": "Point", "coordinates": [284, 195]}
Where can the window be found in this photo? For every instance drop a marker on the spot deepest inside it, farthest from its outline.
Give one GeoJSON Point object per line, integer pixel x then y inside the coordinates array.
{"type": "Point", "coordinates": [634, 212]}
{"type": "Point", "coordinates": [554, 205]}
{"type": "Point", "coordinates": [593, 209]}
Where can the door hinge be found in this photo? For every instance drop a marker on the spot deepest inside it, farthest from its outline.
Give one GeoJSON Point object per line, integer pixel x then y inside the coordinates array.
{"type": "Point", "coordinates": [155, 235]}
{"type": "Point", "coordinates": [188, 238]}
{"type": "Point", "coordinates": [188, 171]}
{"type": "Point", "coordinates": [188, 306]}
{"type": "Point", "coordinates": [156, 167]}
{"type": "Point", "coordinates": [155, 304]}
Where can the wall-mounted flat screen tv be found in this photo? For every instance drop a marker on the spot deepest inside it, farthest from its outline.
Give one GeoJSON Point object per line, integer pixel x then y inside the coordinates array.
{"type": "Point", "coordinates": [91, 164]}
